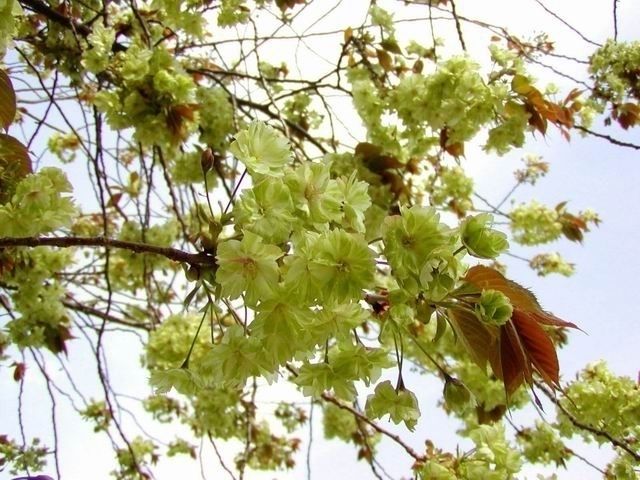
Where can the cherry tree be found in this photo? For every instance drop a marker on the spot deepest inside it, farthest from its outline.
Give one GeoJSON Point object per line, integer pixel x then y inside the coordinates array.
{"type": "Point", "coordinates": [308, 225]}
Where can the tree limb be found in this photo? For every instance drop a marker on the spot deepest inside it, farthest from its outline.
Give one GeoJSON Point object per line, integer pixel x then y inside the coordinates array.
{"type": "Point", "coordinates": [66, 242]}
{"type": "Point", "coordinates": [375, 426]}
{"type": "Point", "coordinates": [584, 426]}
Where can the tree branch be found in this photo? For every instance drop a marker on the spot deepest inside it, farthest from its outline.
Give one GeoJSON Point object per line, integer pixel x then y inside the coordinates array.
{"type": "Point", "coordinates": [375, 426]}
{"type": "Point", "coordinates": [608, 138]}
{"type": "Point", "coordinates": [66, 242]}
{"type": "Point", "coordinates": [45, 10]}
{"type": "Point", "coordinates": [458, 26]}
{"type": "Point", "coordinates": [73, 304]}
{"type": "Point", "coordinates": [584, 426]}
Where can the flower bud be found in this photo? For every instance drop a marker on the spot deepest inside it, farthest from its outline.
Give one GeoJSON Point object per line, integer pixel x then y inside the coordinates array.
{"type": "Point", "coordinates": [480, 240]}
{"type": "Point", "coordinates": [456, 394]}
{"type": "Point", "coordinates": [207, 160]}
{"type": "Point", "coordinates": [494, 308]}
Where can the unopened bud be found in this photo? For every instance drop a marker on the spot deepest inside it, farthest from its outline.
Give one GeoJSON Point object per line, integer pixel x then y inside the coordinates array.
{"type": "Point", "coordinates": [206, 160]}
{"type": "Point", "coordinates": [456, 394]}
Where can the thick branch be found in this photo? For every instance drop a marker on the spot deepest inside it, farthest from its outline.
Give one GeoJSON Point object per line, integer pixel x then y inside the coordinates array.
{"type": "Point", "coordinates": [65, 242]}
{"type": "Point", "coordinates": [55, 16]}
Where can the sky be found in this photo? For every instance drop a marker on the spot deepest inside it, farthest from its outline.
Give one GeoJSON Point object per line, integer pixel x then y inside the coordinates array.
{"type": "Point", "coordinates": [599, 298]}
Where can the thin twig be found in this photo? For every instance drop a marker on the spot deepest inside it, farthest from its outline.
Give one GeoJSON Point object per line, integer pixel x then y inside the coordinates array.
{"type": "Point", "coordinates": [608, 138]}
{"type": "Point", "coordinates": [458, 26]}
{"type": "Point", "coordinates": [310, 440]}
{"type": "Point", "coordinates": [220, 459]}
{"type": "Point", "coordinates": [615, 20]}
{"type": "Point", "coordinates": [396, 438]}
{"type": "Point", "coordinates": [567, 24]}
{"type": "Point", "coordinates": [589, 428]}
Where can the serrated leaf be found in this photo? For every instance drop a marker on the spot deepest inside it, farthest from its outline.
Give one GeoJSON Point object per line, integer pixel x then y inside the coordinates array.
{"type": "Point", "coordinates": [538, 347]}
{"type": "Point", "coordinates": [15, 164]}
{"type": "Point", "coordinates": [524, 346]}
{"type": "Point", "coordinates": [181, 379]}
{"type": "Point", "coordinates": [7, 100]}
{"type": "Point", "coordinates": [400, 404]}
{"type": "Point", "coordinates": [522, 299]}
{"type": "Point", "coordinates": [385, 60]}
{"type": "Point", "coordinates": [487, 278]}
{"type": "Point", "coordinates": [511, 366]}
{"type": "Point", "coordinates": [480, 341]}
{"type": "Point", "coordinates": [536, 120]}
{"type": "Point", "coordinates": [391, 45]}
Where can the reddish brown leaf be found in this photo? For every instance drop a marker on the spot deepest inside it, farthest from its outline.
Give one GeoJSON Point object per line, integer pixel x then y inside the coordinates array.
{"type": "Point", "coordinates": [572, 232]}
{"type": "Point", "coordinates": [551, 320]}
{"type": "Point", "coordinates": [538, 347]}
{"type": "Point", "coordinates": [7, 100]}
{"type": "Point", "coordinates": [486, 278]}
{"type": "Point", "coordinates": [367, 150]}
{"type": "Point", "coordinates": [114, 199]}
{"type": "Point", "coordinates": [559, 114]}
{"type": "Point", "coordinates": [385, 60]}
{"type": "Point", "coordinates": [480, 341]}
{"type": "Point", "coordinates": [490, 416]}
{"type": "Point", "coordinates": [14, 155]}
{"type": "Point", "coordinates": [524, 345]}
{"type": "Point", "coordinates": [572, 226]}
{"type": "Point", "coordinates": [536, 120]}
{"type": "Point", "coordinates": [56, 338]}
{"type": "Point", "coordinates": [288, 4]}
{"type": "Point", "coordinates": [18, 371]}
{"type": "Point", "coordinates": [537, 100]}
{"type": "Point", "coordinates": [568, 117]}
{"type": "Point", "coordinates": [176, 116]}
{"type": "Point", "coordinates": [15, 164]}
{"type": "Point", "coordinates": [573, 94]}
{"type": "Point", "coordinates": [395, 182]}
{"type": "Point", "coordinates": [627, 115]}
{"type": "Point", "coordinates": [455, 149]}
{"type": "Point", "coordinates": [511, 365]}
{"type": "Point", "coordinates": [374, 160]}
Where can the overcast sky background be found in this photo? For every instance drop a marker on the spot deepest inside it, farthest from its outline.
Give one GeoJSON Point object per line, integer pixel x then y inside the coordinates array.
{"type": "Point", "coordinates": [600, 297]}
